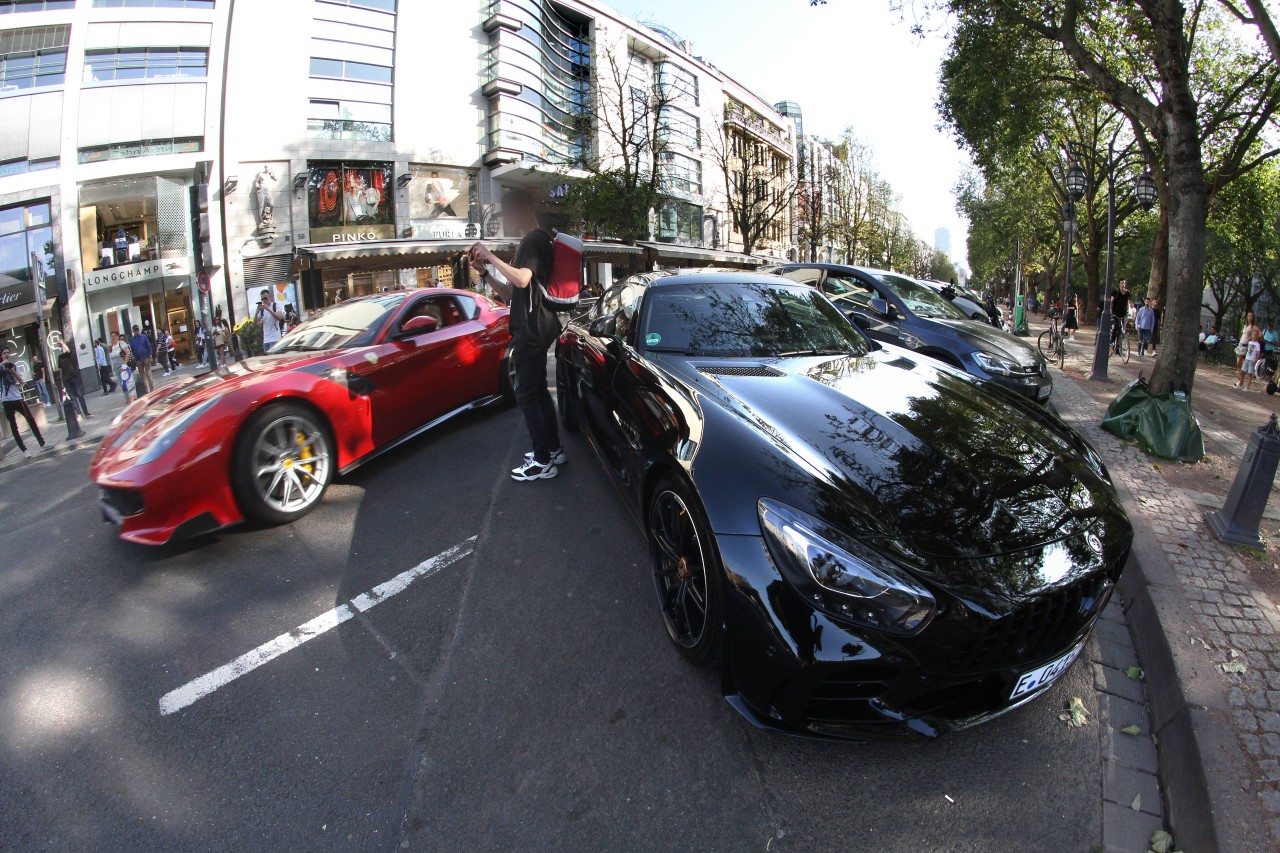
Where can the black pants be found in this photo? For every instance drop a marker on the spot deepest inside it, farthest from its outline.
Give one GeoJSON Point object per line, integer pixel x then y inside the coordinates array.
{"type": "Point", "coordinates": [13, 408]}
{"type": "Point", "coordinates": [75, 390]}
{"type": "Point", "coordinates": [108, 380]}
{"type": "Point", "coordinates": [534, 399]}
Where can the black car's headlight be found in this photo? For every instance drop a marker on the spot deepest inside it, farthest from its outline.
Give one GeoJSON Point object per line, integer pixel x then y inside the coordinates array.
{"type": "Point", "coordinates": [173, 432]}
{"type": "Point", "coordinates": [997, 366]}
{"type": "Point", "coordinates": [841, 576]}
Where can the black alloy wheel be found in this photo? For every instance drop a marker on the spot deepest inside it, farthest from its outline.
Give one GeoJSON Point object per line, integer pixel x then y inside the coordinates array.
{"type": "Point", "coordinates": [686, 573]}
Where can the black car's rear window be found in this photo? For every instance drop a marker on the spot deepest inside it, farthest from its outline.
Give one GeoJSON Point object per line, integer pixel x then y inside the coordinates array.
{"type": "Point", "coordinates": [746, 319]}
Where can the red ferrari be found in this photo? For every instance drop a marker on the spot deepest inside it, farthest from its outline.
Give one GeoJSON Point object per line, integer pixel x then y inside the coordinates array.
{"type": "Point", "coordinates": [263, 438]}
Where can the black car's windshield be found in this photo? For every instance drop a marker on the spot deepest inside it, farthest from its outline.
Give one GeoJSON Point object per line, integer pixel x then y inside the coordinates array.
{"type": "Point", "coordinates": [347, 324]}
{"type": "Point", "coordinates": [922, 301]}
{"type": "Point", "coordinates": [746, 319]}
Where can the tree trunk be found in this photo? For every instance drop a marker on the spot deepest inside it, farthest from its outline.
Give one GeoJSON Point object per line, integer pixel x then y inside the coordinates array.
{"type": "Point", "coordinates": [1188, 210]}
{"type": "Point", "coordinates": [1093, 289]}
{"type": "Point", "coordinates": [1160, 256]}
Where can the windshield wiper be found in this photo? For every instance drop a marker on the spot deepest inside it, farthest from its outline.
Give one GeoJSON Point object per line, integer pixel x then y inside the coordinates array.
{"type": "Point", "coordinates": [814, 351]}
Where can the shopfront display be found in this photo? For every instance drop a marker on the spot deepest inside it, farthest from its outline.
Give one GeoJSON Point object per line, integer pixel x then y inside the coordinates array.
{"type": "Point", "coordinates": [350, 202]}
{"type": "Point", "coordinates": [440, 201]}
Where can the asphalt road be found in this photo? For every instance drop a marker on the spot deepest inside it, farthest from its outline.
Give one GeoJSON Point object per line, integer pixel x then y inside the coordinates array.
{"type": "Point", "coordinates": [523, 697]}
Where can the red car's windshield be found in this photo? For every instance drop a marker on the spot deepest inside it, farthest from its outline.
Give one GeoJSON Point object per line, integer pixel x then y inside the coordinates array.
{"type": "Point", "coordinates": [347, 324]}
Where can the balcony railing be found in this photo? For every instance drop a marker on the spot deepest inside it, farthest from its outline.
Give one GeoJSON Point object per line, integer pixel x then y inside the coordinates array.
{"type": "Point", "coordinates": [735, 115]}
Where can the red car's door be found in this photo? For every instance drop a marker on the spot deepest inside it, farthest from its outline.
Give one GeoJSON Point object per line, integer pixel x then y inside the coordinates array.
{"type": "Point", "coordinates": [421, 371]}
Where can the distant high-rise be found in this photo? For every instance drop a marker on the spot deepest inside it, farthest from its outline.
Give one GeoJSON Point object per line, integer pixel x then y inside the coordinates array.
{"type": "Point", "coordinates": [792, 110]}
{"type": "Point", "coordinates": [942, 241]}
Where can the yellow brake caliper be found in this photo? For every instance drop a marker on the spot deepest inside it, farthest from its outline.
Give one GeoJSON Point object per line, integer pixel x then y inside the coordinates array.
{"type": "Point", "coordinates": [305, 453]}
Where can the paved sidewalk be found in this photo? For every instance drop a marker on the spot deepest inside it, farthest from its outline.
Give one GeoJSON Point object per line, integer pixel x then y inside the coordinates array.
{"type": "Point", "coordinates": [1236, 624]}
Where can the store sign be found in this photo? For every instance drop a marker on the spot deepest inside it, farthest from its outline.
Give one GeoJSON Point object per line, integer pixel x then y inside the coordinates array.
{"type": "Point", "coordinates": [17, 293]}
{"type": "Point", "coordinates": [440, 229]}
{"type": "Point", "coordinates": [353, 233]}
{"type": "Point", "coordinates": [137, 273]}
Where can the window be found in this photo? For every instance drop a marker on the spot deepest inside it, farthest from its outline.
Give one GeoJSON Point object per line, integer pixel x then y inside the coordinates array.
{"type": "Point", "coordinates": [676, 82]}
{"type": "Point", "coordinates": [680, 222]}
{"type": "Point", "coordinates": [154, 4]}
{"type": "Point", "coordinates": [334, 119]}
{"type": "Point", "coordinates": [680, 127]}
{"type": "Point", "coordinates": [145, 63]}
{"type": "Point", "coordinates": [340, 69]}
{"type": "Point", "coordinates": [24, 230]}
{"type": "Point", "coordinates": [145, 148]}
{"type": "Point", "coordinates": [378, 5]}
{"type": "Point", "coordinates": [33, 56]}
{"type": "Point", "coordinates": [20, 167]}
{"type": "Point", "coordinates": [350, 200]}
{"type": "Point", "coordinates": [680, 172]}
{"type": "Point", "coordinates": [9, 6]}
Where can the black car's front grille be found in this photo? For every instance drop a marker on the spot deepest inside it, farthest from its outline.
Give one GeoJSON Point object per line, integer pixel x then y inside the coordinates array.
{"type": "Point", "coordinates": [1036, 630]}
{"type": "Point", "coordinates": [124, 501]}
{"type": "Point", "coordinates": [759, 370]}
{"type": "Point", "coordinates": [843, 697]}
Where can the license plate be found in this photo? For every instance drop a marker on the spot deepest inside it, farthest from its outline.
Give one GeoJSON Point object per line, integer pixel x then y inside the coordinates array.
{"type": "Point", "coordinates": [1045, 675]}
{"type": "Point", "coordinates": [1043, 393]}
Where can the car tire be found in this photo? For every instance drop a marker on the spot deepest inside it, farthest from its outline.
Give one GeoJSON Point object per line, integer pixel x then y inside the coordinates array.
{"type": "Point", "coordinates": [566, 397]}
{"type": "Point", "coordinates": [507, 377]}
{"type": "Point", "coordinates": [686, 572]}
{"type": "Point", "coordinates": [282, 463]}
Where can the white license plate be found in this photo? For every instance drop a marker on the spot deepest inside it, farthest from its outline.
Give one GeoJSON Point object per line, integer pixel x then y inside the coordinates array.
{"type": "Point", "coordinates": [1043, 393]}
{"type": "Point", "coordinates": [1044, 675]}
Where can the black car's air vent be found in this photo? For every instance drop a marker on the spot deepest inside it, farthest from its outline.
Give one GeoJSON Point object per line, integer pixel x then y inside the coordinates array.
{"type": "Point", "coordinates": [743, 370]}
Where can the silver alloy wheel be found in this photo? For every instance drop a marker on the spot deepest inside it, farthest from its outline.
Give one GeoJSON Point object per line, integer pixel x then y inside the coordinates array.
{"type": "Point", "coordinates": [290, 463]}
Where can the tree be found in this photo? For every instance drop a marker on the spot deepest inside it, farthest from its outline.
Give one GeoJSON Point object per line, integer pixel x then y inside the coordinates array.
{"type": "Point", "coordinates": [760, 184]}
{"type": "Point", "coordinates": [853, 178]}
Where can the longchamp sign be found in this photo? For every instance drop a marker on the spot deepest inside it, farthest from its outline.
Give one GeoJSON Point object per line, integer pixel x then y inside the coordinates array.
{"type": "Point", "coordinates": [136, 273]}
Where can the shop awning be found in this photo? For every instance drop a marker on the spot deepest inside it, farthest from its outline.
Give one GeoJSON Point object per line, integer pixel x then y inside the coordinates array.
{"type": "Point", "coordinates": [21, 315]}
{"type": "Point", "coordinates": [386, 254]}
{"type": "Point", "coordinates": [704, 257]}
{"type": "Point", "coordinates": [600, 250]}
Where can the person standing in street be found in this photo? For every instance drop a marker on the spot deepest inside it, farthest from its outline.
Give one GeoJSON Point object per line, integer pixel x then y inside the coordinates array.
{"type": "Point", "coordinates": [1252, 353]}
{"type": "Point", "coordinates": [140, 346]}
{"type": "Point", "coordinates": [40, 374]}
{"type": "Point", "coordinates": [71, 382]}
{"type": "Point", "coordinates": [1146, 325]}
{"type": "Point", "coordinates": [171, 350]}
{"type": "Point", "coordinates": [270, 315]}
{"type": "Point", "coordinates": [14, 405]}
{"type": "Point", "coordinates": [1242, 348]}
{"type": "Point", "coordinates": [533, 329]}
{"type": "Point", "coordinates": [102, 358]}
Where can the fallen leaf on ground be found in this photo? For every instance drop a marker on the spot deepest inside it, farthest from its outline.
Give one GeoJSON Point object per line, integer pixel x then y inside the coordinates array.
{"type": "Point", "coordinates": [1161, 842]}
{"type": "Point", "coordinates": [1137, 802]}
{"type": "Point", "coordinates": [1077, 715]}
{"type": "Point", "coordinates": [1132, 730]}
{"type": "Point", "coordinates": [1134, 672]}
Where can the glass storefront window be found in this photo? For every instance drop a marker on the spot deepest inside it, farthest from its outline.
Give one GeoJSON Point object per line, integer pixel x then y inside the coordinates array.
{"type": "Point", "coordinates": [118, 222]}
{"type": "Point", "coordinates": [350, 202]}
{"type": "Point", "coordinates": [679, 222]}
{"type": "Point", "coordinates": [24, 231]}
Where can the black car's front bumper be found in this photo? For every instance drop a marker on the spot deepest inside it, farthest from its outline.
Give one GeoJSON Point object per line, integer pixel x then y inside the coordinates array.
{"type": "Point", "coordinates": [791, 668]}
{"type": "Point", "coordinates": [1037, 386]}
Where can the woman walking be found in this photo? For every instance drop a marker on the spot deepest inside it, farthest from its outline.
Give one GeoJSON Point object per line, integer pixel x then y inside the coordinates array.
{"type": "Point", "coordinates": [1070, 317]}
{"type": "Point", "coordinates": [14, 405]}
{"type": "Point", "coordinates": [1246, 335]}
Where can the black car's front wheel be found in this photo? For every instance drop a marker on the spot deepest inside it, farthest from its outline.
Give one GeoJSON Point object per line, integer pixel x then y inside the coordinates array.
{"type": "Point", "coordinates": [686, 572]}
{"type": "Point", "coordinates": [282, 463]}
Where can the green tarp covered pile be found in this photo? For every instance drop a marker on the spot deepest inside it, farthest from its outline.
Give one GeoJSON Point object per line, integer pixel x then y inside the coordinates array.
{"type": "Point", "coordinates": [1162, 423]}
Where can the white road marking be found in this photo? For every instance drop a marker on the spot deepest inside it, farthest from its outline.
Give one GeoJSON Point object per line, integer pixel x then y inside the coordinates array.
{"type": "Point", "coordinates": [192, 691]}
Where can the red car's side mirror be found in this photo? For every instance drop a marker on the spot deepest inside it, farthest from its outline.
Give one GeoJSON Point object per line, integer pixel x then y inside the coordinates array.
{"type": "Point", "coordinates": [418, 325]}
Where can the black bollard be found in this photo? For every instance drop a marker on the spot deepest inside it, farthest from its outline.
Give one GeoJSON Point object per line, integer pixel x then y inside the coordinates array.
{"type": "Point", "coordinates": [69, 412]}
{"type": "Point", "coordinates": [1237, 523]}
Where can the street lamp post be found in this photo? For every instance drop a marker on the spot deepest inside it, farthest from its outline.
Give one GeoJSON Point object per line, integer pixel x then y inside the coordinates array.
{"type": "Point", "coordinates": [1076, 182]}
{"type": "Point", "coordinates": [1145, 190]}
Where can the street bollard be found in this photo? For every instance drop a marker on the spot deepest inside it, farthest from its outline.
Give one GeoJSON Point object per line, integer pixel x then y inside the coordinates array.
{"type": "Point", "coordinates": [1237, 523]}
{"type": "Point", "coordinates": [69, 412]}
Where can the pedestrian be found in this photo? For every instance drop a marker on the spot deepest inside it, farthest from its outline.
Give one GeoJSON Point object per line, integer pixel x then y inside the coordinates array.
{"type": "Point", "coordinates": [1270, 341]}
{"type": "Point", "coordinates": [40, 374]}
{"type": "Point", "coordinates": [201, 337]}
{"type": "Point", "coordinates": [1119, 313]}
{"type": "Point", "coordinates": [14, 405]}
{"type": "Point", "coordinates": [1242, 348]}
{"type": "Point", "coordinates": [171, 350]}
{"type": "Point", "coordinates": [270, 314]}
{"type": "Point", "coordinates": [72, 386]}
{"type": "Point", "coordinates": [221, 336]}
{"type": "Point", "coordinates": [1146, 325]}
{"type": "Point", "coordinates": [102, 358]}
{"type": "Point", "coordinates": [1252, 354]}
{"type": "Point", "coordinates": [140, 346]}
{"type": "Point", "coordinates": [533, 329]}
{"type": "Point", "coordinates": [1155, 330]}
{"type": "Point", "coordinates": [1071, 318]}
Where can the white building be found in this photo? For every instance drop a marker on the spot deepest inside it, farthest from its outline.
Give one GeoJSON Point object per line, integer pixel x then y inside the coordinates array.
{"type": "Point", "coordinates": [330, 122]}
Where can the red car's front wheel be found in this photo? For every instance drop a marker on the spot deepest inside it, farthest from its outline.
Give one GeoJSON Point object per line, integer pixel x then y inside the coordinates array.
{"type": "Point", "coordinates": [282, 463]}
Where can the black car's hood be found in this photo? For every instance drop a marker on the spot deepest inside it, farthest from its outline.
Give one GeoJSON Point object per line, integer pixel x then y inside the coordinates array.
{"type": "Point", "coordinates": [914, 451]}
{"type": "Point", "coordinates": [987, 338]}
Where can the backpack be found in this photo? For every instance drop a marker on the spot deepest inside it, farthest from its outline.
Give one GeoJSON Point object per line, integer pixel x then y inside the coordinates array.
{"type": "Point", "coordinates": [562, 292]}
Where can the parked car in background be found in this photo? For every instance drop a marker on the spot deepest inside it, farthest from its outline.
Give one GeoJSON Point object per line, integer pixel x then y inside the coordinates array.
{"type": "Point", "coordinates": [969, 303]}
{"type": "Point", "coordinates": [899, 310]}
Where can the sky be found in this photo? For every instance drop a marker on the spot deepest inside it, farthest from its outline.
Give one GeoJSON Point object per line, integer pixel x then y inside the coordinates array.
{"type": "Point", "coordinates": [849, 63]}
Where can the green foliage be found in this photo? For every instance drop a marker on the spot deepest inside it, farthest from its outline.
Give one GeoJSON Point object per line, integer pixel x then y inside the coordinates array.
{"type": "Point", "coordinates": [613, 205]}
{"type": "Point", "coordinates": [249, 334]}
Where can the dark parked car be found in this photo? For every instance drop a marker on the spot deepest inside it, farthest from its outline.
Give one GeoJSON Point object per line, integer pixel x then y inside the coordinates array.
{"type": "Point", "coordinates": [893, 308]}
{"type": "Point", "coordinates": [868, 543]}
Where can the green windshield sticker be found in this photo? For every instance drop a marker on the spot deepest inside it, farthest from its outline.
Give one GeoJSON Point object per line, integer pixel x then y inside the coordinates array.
{"type": "Point", "coordinates": [653, 339]}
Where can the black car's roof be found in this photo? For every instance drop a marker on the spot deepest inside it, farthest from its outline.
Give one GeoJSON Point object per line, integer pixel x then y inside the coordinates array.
{"type": "Point", "coordinates": [701, 275]}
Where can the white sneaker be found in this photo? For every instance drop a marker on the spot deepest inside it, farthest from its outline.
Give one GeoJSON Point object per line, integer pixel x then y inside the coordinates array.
{"type": "Point", "coordinates": [26, 454]}
{"type": "Point", "coordinates": [557, 457]}
{"type": "Point", "coordinates": [535, 471]}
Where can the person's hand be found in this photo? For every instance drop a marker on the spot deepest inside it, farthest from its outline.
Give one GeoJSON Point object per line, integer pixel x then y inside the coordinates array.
{"type": "Point", "coordinates": [482, 254]}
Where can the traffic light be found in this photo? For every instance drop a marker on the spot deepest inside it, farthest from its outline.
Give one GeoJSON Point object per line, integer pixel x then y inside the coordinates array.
{"type": "Point", "coordinates": [201, 237]}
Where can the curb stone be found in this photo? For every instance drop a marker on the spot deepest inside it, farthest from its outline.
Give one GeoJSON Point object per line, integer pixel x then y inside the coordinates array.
{"type": "Point", "coordinates": [1209, 805]}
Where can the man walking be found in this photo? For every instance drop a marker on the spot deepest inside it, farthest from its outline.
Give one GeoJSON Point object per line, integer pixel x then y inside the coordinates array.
{"type": "Point", "coordinates": [140, 346]}
{"type": "Point", "coordinates": [270, 315]}
{"type": "Point", "coordinates": [41, 376]}
{"type": "Point", "coordinates": [533, 329]}
{"type": "Point", "coordinates": [103, 359]}
{"type": "Point", "coordinates": [14, 405]}
{"type": "Point", "coordinates": [1146, 325]}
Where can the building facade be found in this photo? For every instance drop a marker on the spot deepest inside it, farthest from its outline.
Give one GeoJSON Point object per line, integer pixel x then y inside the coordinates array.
{"type": "Point", "coordinates": [319, 122]}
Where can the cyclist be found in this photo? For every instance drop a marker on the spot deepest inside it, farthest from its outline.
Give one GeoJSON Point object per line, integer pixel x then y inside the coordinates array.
{"type": "Point", "coordinates": [1119, 313]}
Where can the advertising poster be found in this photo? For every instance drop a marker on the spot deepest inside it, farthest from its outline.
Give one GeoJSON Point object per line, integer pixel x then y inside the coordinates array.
{"type": "Point", "coordinates": [440, 199]}
{"type": "Point", "coordinates": [350, 202]}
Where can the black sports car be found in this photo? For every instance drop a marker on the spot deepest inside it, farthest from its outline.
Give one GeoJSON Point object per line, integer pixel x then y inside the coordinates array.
{"type": "Point", "coordinates": [869, 542]}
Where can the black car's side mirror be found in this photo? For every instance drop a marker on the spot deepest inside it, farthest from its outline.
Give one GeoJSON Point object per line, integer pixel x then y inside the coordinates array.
{"type": "Point", "coordinates": [604, 327]}
{"type": "Point", "coordinates": [881, 307]}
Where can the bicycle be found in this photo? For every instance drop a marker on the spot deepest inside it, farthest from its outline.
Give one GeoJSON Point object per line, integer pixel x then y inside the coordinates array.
{"type": "Point", "coordinates": [1052, 344]}
{"type": "Point", "coordinates": [1120, 342]}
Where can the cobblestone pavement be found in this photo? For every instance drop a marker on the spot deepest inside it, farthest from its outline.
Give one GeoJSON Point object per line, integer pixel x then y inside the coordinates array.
{"type": "Point", "coordinates": [1239, 622]}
